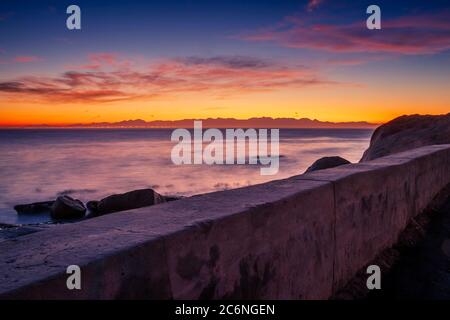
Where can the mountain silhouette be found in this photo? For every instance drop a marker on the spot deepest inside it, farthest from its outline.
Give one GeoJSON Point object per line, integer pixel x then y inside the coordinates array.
{"type": "Point", "coordinates": [262, 122]}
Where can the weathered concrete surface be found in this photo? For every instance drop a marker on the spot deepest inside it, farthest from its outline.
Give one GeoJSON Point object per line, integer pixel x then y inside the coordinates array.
{"type": "Point", "coordinates": [262, 253]}
{"type": "Point", "coordinates": [228, 236]}
{"type": "Point", "coordinates": [18, 231]}
{"type": "Point", "coordinates": [422, 271]}
{"type": "Point", "coordinates": [374, 202]}
{"type": "Point", "coordinates": [372, 207]}
{"type": "Point", "coordinates": [299, 238]}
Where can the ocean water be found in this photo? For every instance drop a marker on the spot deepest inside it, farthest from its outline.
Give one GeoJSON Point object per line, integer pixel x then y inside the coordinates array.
{"type": "Point", "coordinates": [89, 164]}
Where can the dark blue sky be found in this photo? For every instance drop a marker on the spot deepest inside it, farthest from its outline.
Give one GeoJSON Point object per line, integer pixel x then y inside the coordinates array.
{"type": "Point", "coordinates": [166, 27]}
{"type": "Point", "coordinates": [211, 50]}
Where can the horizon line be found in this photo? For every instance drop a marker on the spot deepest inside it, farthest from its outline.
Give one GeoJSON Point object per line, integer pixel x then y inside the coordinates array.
{"type": "Point", "coordinates": [219, 122]}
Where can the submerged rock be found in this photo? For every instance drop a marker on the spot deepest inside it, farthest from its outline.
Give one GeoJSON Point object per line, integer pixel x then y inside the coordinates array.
{"type": "Point", "coordinates": [92, 206]}
{"type": "Point", "coordinates": [6, 226]}
{"type": "Point", "coordinates": [326, 163]}
{"type": "Point", "coordinates": [172, 198]}
{"type": "Point", "coordinates": [66, 207]}
{"type": "Point", "coordinates": [408, 132]}
{"type": "Point", "coordinates": [34, 208]}
{"type": "Point", "coordinates": [126, 201]}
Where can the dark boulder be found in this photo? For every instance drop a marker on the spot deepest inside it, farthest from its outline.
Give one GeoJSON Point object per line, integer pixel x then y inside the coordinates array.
{"type": "Point", "coordinates": [408, 132]}
{"type": "Point", "coordinates": [172, 198]}
{"type": "Point", "coordinates": [66, 207]}
{"type": "Point", "coordinates": [126, 201]}
{"type": "Point", "coordinates": [34, 208]}
{"type": "Point", "coordinates": [92, 206]}
{"type": "Point", "coordinates": [326, 163]}
{"type": "Point", "coordinates": [6, 226]}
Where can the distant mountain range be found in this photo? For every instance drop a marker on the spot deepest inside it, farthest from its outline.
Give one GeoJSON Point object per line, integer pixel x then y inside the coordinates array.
{"type": "Point", "coordinates": [263, 122]}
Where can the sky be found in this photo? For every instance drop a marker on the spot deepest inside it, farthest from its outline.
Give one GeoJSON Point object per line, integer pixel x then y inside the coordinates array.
{"type": "Point", "coordinates": [167, 60]}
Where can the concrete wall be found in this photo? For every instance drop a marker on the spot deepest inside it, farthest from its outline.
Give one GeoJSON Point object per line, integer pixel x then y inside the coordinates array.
{"type": "Point", "coordinates": [299, 238]}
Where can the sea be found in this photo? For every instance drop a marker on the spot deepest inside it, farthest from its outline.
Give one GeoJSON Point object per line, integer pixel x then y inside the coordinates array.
{"type": "Point", "coordinates": [90, 164]}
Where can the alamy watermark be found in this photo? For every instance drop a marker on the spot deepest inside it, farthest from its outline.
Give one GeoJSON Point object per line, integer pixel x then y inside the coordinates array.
{"type": "Point", "coordinates": [374, 280]}
{"type": "Point", "coordinates": [374, 20]}
{"type": "Point", "coordinates": [236, 146]}
{"type": "Point", "coordinates": [73, 21]}
{"type": "Point", "coordinates": [73, 281]}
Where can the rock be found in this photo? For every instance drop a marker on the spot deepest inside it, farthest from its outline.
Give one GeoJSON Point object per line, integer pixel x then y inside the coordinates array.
{"type": "Point", "coordinates": [92, 206]}
{"type": "Point", "coordinates": [34, 208]}
{"type": "Point", "coordinates": [446, 247]}
{"type": "Point", "coordinates": [408, 132]}
{"type": "Point", "coordinates": [126, 201]}
{"type": "Point", "coordinates": [327, 162]}
{"type": "Point", "coordinates": [66, 207]}
{"type": "Point", "coordinates": [173, 198]}
{"type": "Point", "coordinates": [7, 226]}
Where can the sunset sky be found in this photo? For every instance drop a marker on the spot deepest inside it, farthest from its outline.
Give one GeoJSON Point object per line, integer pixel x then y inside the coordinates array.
{"type": "Point", "coordinates": [170, 60]}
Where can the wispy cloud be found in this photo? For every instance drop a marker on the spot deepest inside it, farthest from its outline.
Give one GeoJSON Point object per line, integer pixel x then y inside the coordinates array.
{"type": "Point", "coordinates": [102, 60]}
{"type": "Point", "coordinates": [234, 62]}
{"type": "Point", "coordinates": [26, 59]}
{"type": "Point", "coordinates": [107, 78]}
{"type": "Point", "coordinates": [351, 61]}
{"type": "Point", "coordinates": [419, 34]}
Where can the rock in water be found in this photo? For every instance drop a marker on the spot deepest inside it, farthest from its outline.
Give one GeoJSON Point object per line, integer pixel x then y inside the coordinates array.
{"type": "Point", "coordinates": [408, 132]}
{"type": "Point", "coordinates": [92, 206]}
{"type": "Point", "coordinates": [126, 201]}
{"type": "Point", "coordinates": [66, 207]}
{"type": "Point", "coordinates": [327, 162]}
{"type": "Point", "coordinates": [34, 208]}
{"type": "Point", "coordinates": [172, 198]}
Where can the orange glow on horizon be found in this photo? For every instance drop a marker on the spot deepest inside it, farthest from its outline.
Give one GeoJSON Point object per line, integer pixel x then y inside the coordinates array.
{"type": "Point", "coordinates": [338, 103]}
{"type": "Point", "coordinates": [63, 115]}
{"type": "Point", "coordinates": [174, 90]}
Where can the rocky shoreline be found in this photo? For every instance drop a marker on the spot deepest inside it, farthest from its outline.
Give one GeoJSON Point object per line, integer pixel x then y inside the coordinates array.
{"type": "Point", "coordinates": [67, 209]}
{"type": "Point", "coordinates": [400, 134]}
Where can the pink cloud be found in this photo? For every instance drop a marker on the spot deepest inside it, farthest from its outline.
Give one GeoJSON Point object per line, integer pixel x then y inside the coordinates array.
{"type": "Point", "coordinates": [115, 79]}
{"type": "Point", "coordinates": [352, 61]}
{"type": "Point", "coordinates": [26, 59]}
{"type": "Point", "coordinates": [406, 35]}
{"type": "Point", "coordinates": [103, 58]}
{"type": "Point", "coordinates": [97, 61]}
